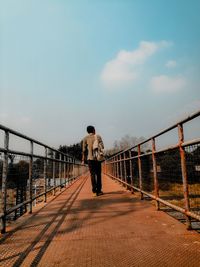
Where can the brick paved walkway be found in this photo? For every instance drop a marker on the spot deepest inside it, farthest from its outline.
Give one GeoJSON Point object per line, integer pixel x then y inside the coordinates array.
{"type": "Point", "coordinates": [116, 229]}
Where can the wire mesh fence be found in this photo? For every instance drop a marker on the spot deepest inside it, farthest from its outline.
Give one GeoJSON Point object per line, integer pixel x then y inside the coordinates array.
{"type": "Point", "coordinates": [31, 173]}
{"type": "Point", "coordinates": [147, 174]}
{"type": "Point", "coordinates": [193, 168]}
{"type": "Point", "coordinates": [1, 171]}
{"type": "Point", "coordinates": [170, 175]}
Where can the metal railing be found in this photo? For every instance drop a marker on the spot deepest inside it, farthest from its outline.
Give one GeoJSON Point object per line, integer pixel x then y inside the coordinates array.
{"type": "Point", "coordinates": [27, 178]}
{"type": "Point", "coordinates": [170, 176]}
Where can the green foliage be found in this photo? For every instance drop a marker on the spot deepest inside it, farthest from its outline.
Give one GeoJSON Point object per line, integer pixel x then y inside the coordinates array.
{"type": "Point", "coordinates": [74, 150]}
{"type": "Point", "coordinates": [18, 174]}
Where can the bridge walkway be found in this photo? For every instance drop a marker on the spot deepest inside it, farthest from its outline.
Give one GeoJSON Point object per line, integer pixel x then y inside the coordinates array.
{"type": "Point", "coordinates": [115, 229]}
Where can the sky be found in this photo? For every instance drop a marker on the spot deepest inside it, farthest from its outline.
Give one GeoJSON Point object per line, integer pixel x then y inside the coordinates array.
{"type": "Point", "coordinates": [126, 67]}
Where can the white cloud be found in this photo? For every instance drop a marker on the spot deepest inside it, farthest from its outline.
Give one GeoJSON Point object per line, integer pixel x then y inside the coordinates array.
{"type": "Point", "coordinates": [164, 83]}
{"type": "Point", "coordinates": [171, 64]}
{"type": "Point", "coordinates": [123, 70]}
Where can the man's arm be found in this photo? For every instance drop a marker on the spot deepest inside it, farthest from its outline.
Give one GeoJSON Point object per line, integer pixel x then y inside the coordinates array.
{"type": "Point", "coordinates": [100, 141]}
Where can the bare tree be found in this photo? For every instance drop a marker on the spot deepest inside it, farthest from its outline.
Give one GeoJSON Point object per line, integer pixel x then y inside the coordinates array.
{"type": "Point", "coordinates": [125, 142]}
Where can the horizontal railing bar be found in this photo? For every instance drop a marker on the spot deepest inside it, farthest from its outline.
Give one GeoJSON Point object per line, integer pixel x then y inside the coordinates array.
{"type": "Point", "coordinates": [166, 203]}
{"type": "Point", "coordinates": [191, 142]}
{"type": "Point", "coordinates": [36, 156]}
{"type": "Point", "coordinates": [187, 143]}
{"type": "Point", "coordinates": [11, 210]}
{"type": "Point", "coordinates": [193, 116]}
{"type": "Point", "coordinates": [4, 128]}
{"type": "Point", "coordinates": [17, 207]}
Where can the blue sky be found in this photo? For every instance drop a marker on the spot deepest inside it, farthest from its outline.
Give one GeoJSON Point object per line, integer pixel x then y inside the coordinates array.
{"type": "Point", "coordinates": [127, 67]}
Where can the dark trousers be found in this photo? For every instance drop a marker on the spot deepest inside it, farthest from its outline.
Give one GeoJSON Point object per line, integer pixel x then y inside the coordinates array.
{"type": "Point", "coordinates": [95, 173]}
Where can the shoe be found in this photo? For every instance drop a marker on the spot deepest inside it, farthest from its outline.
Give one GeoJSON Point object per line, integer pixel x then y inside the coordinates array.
{"type": "Point", "coordinates": [100, 193]}
{"type": "Point", "coordinates": [94, 194]}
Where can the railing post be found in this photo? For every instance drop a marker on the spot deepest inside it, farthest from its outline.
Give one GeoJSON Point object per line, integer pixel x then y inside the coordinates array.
{"type": "Point", "coordinates": [155, 175]}
{"type": "Point", "coordinates": [131, 171]}
{"type": "Point", "coordinates": [45, 176]}
{"type": "Point", "coordinates": [69, 170]}
{"type": "Point", "coordinates": [115, 159]}
{"type": "Point", "coordinates": [4, 181]}
{"type": "Point", "coordinates": [54, 173]}
{"type": "Point", "coordinates": [69, 173]}
{"type": "Point", "coordinates": [60, 170]}
{"type": "Point", "coordinates": [140, 170]}
{"type": "Point", "coordinates": [74, 168]}
{"type": "Point", "coordinates": [31, 177]}
{"type": "Point", "coordinates": [117, 166]}
{"type": "Point", "coordinates": [125, 171]}
{"type": "Point", "coordinates": [121, 173]}
{"type": "Point", "coordinates": [113, 167]}
{"type": "Point", "coordinates": [184, 174]}
{"type": "Point", "coordinates": [65, 170]}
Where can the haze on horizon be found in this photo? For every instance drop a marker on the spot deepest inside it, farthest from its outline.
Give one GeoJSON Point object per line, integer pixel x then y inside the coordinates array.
{"type": "Point", "coordinates": [126, 67]}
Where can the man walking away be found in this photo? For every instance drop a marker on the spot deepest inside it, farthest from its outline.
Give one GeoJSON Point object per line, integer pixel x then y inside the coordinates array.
{"type": "Point", "coordinates": [93, 163]}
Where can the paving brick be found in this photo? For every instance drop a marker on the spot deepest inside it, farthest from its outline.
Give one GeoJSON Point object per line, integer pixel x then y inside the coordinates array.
{"type": "Point", "coordinates": [115, 229]}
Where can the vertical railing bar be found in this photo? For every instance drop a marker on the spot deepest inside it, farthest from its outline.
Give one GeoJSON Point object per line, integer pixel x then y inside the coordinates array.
{"type": "Point", "coordinates": [70, 170]}
{"type": "Point", "coordinates": [73, 169]}
{"type": "Point", "coordinates": [4, 181]}
{"type": "Point", "coordinates": [125, 171]}
{"type": "Point", "coordinates": [131, 172]}
{"type": "Point", "coordinates": [121, 173]}
{"type": "Point", "coordinates": [117, 167]}
{"type": "Point", "coordinates": [60, 170]}
{"type": "Point", "coordinates": [184, 174]}
{"type": "Point", "coordinates": [113, 169]}
{"type": "Point", "coordinates": [45, 176]}
{"type": "Point", "coordinates": [140, 171]}
{"type": "Point", "coordinates": [31, 178]}
{"type": "Point", "coordinates": [54, 172]}
{"type": "Point", "coordinates": [155, 174]}
{"type": "Point", "coordinates": [65, 170]}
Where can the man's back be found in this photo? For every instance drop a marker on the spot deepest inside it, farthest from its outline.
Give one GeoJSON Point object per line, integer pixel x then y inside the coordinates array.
{"type": "Point", "coordinates": [93, 163]}
{"type": "Point", "coordinates": [88, 142]}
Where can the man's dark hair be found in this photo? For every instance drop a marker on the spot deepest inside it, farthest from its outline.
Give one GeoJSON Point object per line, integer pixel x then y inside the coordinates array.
{"type": "Point", "coordinates": [90, 129]}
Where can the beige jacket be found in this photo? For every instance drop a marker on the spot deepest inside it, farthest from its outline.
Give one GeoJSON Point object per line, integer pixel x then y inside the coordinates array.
{"type": "Point", "coordinates": [88, 146]}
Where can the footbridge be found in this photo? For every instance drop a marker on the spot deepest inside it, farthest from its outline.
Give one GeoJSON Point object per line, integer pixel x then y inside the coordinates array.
{"type": "Point", "coordinates": [149, 214]}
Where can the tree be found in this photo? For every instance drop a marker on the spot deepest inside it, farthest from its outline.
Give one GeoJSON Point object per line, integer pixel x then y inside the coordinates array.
{"type": "Point", "coordinates": [124, 143]}
{"type": "Point", "coordinates": [74, 150]}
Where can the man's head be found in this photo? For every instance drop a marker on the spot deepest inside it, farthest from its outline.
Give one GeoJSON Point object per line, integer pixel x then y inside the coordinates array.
{"type": "Point", "coordinates": [91, 129]}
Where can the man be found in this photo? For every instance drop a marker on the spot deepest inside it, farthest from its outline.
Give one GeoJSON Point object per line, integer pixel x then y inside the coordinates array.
{"type": "Point", "coordinates": [93, 164]}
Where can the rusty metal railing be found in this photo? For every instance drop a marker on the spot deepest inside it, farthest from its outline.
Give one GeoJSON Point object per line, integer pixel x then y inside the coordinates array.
{"type": "Point", "coordinates": [169, 176]}
{"type": "Point", "coordinates": [27, 178]}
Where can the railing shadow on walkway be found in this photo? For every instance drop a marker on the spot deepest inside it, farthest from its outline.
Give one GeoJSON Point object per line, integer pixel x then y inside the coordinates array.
{"type": "Point", "coordinates": [89, 206]}
{"type": "Point", "coordinates": [23, 225]}
{"type": "Point", "coordinates": [67, 222]}
{"type": "Point", "coordinates": [23, 254]}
